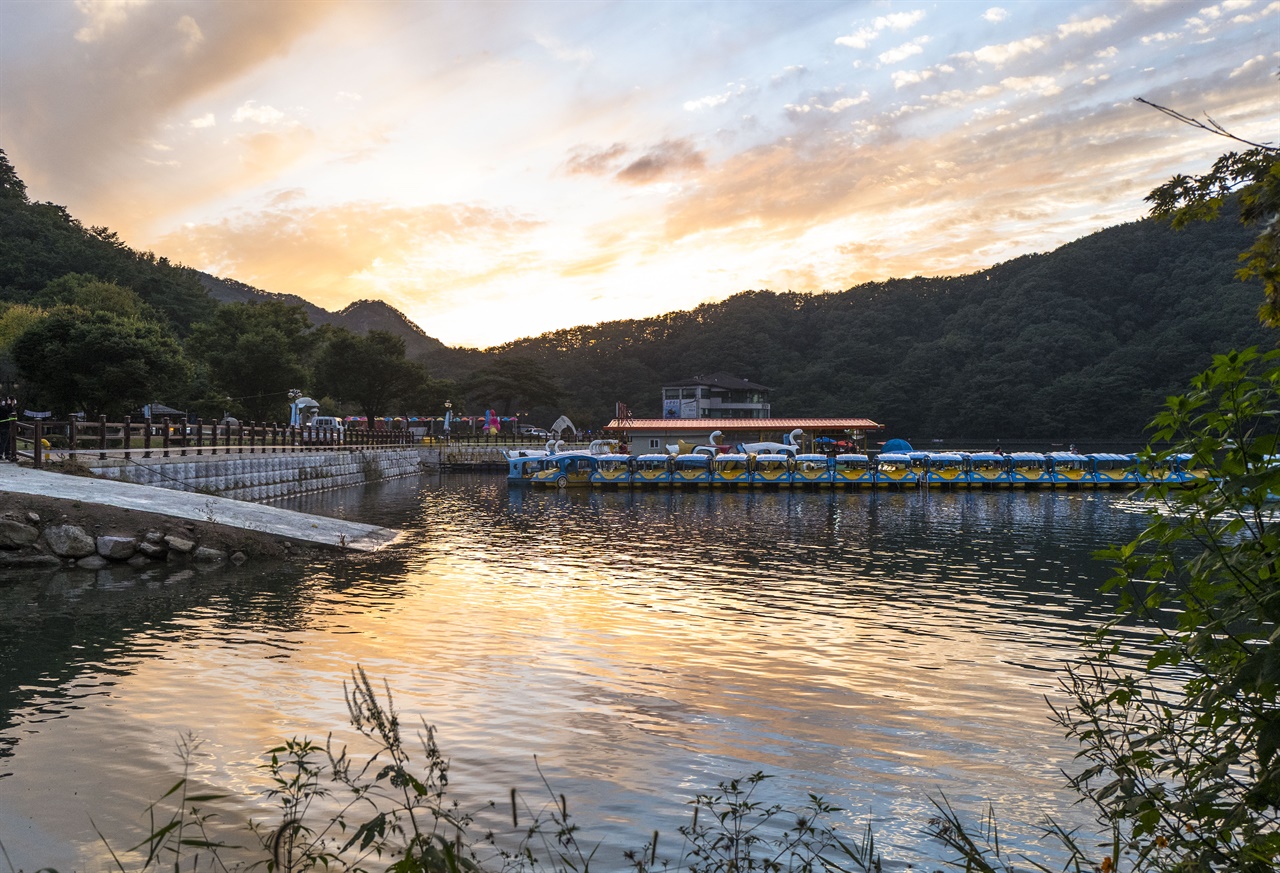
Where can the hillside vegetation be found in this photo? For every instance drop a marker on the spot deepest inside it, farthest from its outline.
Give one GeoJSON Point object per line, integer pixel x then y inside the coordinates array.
{"type": "Point", "coordinates": [1083, 342]}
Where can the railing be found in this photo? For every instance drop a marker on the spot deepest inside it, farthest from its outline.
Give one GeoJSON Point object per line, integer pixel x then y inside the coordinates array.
{"type": "Point", "coordinates": [147, 438]}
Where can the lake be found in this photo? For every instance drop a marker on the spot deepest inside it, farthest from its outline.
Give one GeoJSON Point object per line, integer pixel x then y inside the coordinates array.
{"type": "Point", "coordinates": [876, 648]}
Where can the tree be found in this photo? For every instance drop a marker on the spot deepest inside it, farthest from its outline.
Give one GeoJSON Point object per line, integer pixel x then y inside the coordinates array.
{"type": "Point", "coordinates": [1253, 176]}
{"type": "Point", "coordinates": [1183, 755]}
{"type": "Point", "coordinates": [94, 294]}
{"type": "Point", "coordinates": [369, 371]}
{"type": "Point", "coordinates": [99, 363]}
{"type": "Point", "coordinates": [11, 187]}
{"type": "Point", "coordinates": [511, 380]}
{"type": "Point", "coordinates": [255, 353]}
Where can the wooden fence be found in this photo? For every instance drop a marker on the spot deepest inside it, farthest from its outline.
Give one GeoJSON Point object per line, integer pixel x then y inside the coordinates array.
{"type": "Point", "coordinates": [146, 438]}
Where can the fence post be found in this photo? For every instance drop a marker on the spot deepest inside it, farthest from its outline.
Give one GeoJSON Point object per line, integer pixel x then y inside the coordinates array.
{"type": "Point", "coordinates": [199, 436]}
{"type": "Point", "coordinates": [37, 446]}
{"type": "Point", "coordinates": [128, 437]}
{"type": "Point", "coordinates": [73, 437]}
{"type": "Point", "coordinates": [253, 427]}
{"type": "Point", "coordinates": [146, 438]}
{"type": "Point", "coordinates": [164, 438]}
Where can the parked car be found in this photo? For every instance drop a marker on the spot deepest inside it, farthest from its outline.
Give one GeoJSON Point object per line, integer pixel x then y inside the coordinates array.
{"type": "Point", "coordinates": [534, 432]}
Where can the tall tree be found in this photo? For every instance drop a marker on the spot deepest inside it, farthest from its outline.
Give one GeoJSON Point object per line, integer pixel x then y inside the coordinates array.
{"type": "Point", "coordinates": [370, 371]}
{"type": "Point", "coordinates": [512, 380]}
{"type": "Point", "coordinates": [99, 363]}
{"type": "Point", "coordinates": [256, 353]}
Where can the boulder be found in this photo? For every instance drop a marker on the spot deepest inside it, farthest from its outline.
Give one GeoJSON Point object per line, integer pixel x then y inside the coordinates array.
{"type": "Point", "coordinates": [154, 537]}
{"type": "Point", "coordinates": [180, 544]}
{"type": "Point", "coordinates": [205, 555]}
{"type": "Point", "coordinates": [153, 550]}
{"type": "Point", "coordinates": [15, 534]}
{"type": "Point", "coordinates": [10, 559]}
{"type": "Point", "coordinates": [93, 562]}
{"type": "Point", "coordinates": [138, 560]}
{"type": "Point", "coordinates": [69, 541]}
{"type": "Point", "coordinates": [117, 548]}
{"type": "Point", "coordinates": [239, 558]}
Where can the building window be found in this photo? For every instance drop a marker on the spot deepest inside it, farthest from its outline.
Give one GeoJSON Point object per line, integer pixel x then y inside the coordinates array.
{"type": "Point", "coordinates": [653, 444]}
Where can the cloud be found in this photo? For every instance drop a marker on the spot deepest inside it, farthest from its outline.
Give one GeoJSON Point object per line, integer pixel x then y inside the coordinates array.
{"type": "Point", "coordinates": [1045, 86]}
{"type": "Point", "coordinates": [192, 35]}
{"type": "Point", "coordinates": [137, 69]}
{"type": "Point", "coordinates": [206, 120]}
{"type": "Point", "coordinates": [670, 157]}
{"type": "Point", "coordinates": [995, 15]}
{"type": "Point", "coordinates": [713, 100]}
{"type": "Point", "coordinates": [595, 162]}
{"type": "Point", "coordinates": [836, 102]}
{"type": "Point", "coordinates": [104, 16]}
{"type": "Point", "coordinates": [1270, 9]}
{"type": "Point", "coordinates": [864, 36]}
{"type": "Point", "coordinates": [251, 111]}
{"type": "Point", "coordinates": [999, 55]}
{"type": "Point", "coordinates": [1247, 66]}
{"type": "Point", "coordinates": [904, 51]}
{"type": "Point", "coordinates": [1089, 27]}
{"type": "Point", "coordinates": [335, 254]}
{"type": "Point", "coordinates": [1160, 37]}
{"type": "Point", "coordinates": [906, 78]}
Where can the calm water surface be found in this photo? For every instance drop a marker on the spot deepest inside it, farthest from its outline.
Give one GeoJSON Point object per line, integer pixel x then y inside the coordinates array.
{"type": "Point", "coordinates": [874, 648]}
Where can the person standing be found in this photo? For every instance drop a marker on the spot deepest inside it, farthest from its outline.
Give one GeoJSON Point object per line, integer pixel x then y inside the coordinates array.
{"type": "Point", "coordinates": [8, 415]}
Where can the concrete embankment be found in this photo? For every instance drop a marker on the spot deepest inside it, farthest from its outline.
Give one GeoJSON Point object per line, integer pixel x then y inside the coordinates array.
{"type": "Point", "coordinates": [263, 476]}
{"type": "Point", "coordinates": [123, 521]}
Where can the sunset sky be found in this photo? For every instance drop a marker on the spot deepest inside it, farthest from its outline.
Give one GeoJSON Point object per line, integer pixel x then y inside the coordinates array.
{"type": "Point", "coordinates": [496, 170]}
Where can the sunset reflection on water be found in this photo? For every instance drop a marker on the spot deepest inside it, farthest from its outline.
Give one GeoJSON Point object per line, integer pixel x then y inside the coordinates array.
{"type": "Point", "coordinates": [874, 648]}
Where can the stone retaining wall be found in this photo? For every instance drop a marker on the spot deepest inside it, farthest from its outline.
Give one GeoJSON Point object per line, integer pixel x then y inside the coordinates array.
{"type": "Point", "coordinates": [263, 477]}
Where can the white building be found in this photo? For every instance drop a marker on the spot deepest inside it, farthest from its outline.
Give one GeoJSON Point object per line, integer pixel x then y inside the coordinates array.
{"type": "Point", "coordinates": [716, 396]}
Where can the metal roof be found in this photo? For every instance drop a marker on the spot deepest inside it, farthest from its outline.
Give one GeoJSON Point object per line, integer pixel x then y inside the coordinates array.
{"type": "Point", "coordinates": [718, 380]}
{"type": "Point", "coordinates": [750, 425]}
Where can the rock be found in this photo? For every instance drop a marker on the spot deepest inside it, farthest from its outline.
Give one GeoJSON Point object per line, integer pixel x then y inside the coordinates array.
{"type": "Point", "coordinates": [205, 555]}
{"type": "Point", "coordinates": [15, 534]}
{"type": "Point", "coordinates": [152, 550]}
{"type": "Point", "coordinates": [138, 561]}
{"type": "Point", "coordinates": [8, 559]}
{"type": "Point", "coordinates": [33, 517]}
{"type": "Point", "coordinates": [154, 537]}
{"type": "Point", "coordinates": [117, 548]}
{"type": "Point", "coordinates": [180, 544]}
{"type": "Point", "coordinates": [69, 541]}
{"type": "Point", "coordinates": [93, 562]}
{"type": "Point", "coordinates": [239, 558]}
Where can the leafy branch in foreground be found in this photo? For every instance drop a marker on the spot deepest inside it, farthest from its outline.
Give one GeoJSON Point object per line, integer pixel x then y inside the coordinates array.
{"type": "Point", "coordinates": [1254, 176]}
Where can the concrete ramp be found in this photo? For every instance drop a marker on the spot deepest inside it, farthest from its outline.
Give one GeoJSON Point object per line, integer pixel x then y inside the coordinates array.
{"type": "Point", "coordinates": [268, 520]}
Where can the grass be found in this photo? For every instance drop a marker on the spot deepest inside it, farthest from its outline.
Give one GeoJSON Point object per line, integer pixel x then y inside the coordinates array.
{"type": "Point", "coordinates": [388, 808]}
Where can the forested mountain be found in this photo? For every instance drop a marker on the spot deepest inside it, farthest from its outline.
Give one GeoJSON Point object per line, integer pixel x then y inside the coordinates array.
{"type": "Point", "coordinates": [1083, 342]}
{"type": "Point", "coordinates": [359, 317]}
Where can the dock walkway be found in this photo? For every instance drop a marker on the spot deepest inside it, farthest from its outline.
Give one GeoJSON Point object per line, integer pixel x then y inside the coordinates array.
{"type": "Point", "coordinates": [299, 526]}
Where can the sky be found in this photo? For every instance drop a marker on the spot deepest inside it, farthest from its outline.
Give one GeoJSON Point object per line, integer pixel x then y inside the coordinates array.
{"type": "Point", "coordinates": [497, 170]}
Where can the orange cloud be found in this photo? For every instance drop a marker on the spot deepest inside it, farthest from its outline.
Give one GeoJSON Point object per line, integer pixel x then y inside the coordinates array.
{"type": "Point", "coordinates": [333, 255]}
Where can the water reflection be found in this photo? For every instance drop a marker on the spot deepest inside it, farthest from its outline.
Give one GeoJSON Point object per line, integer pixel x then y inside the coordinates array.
{"type": "Point", "coordinates": [873, 647]}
